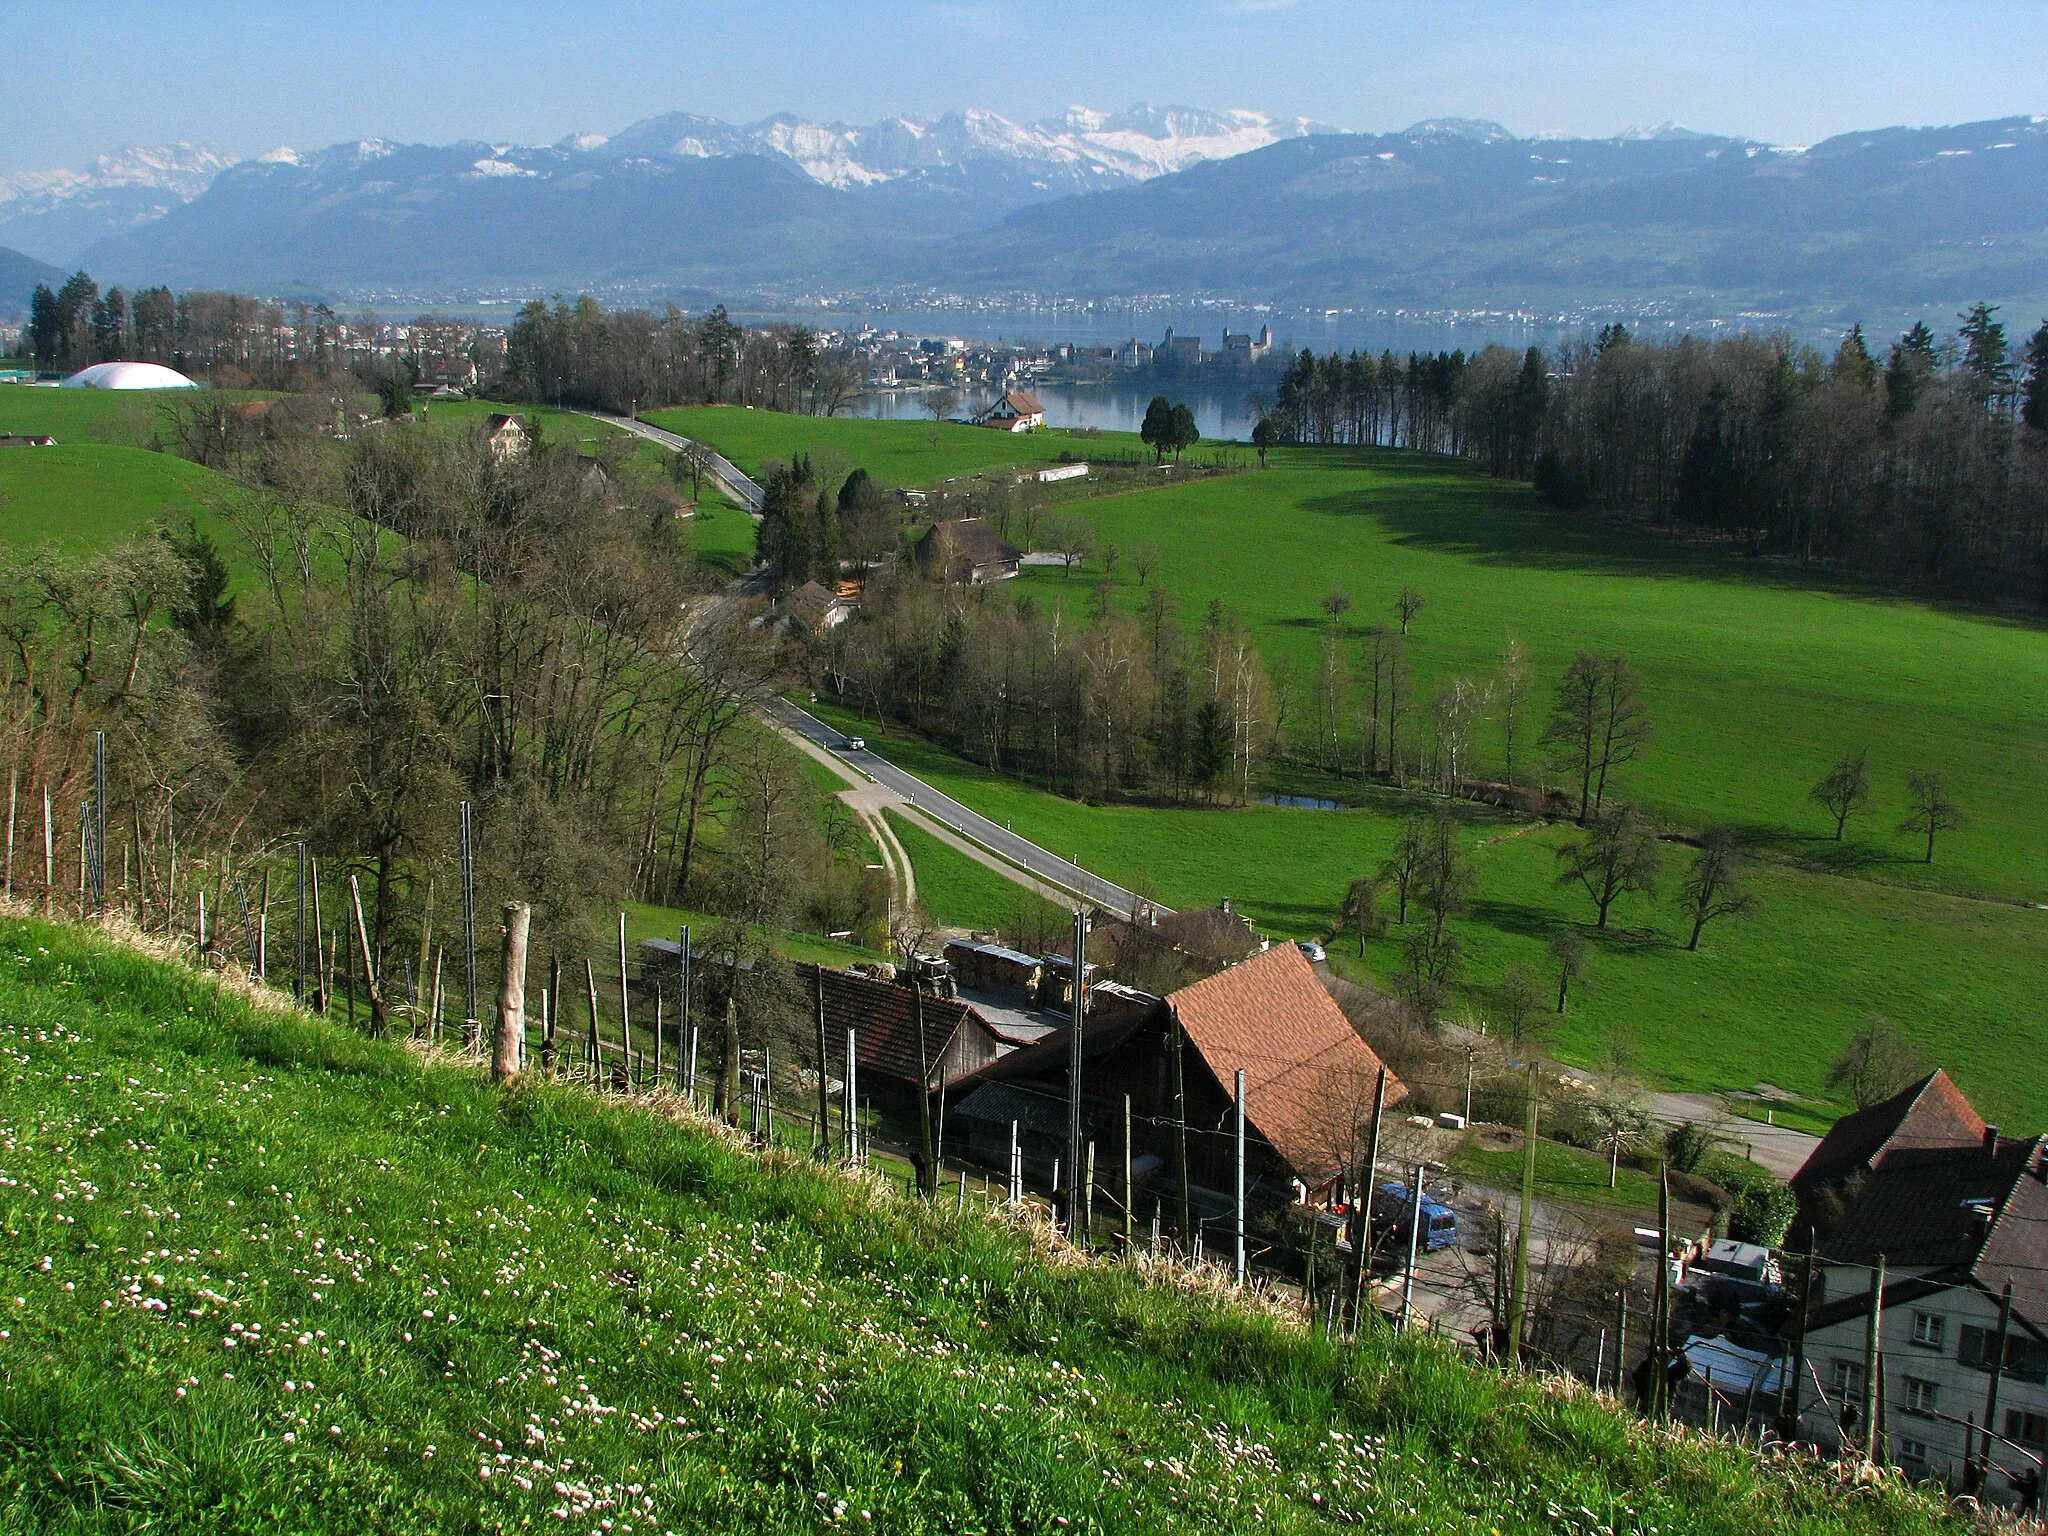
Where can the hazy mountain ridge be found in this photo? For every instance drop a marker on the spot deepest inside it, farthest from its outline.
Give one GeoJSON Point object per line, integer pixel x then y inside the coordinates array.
{"type": "Point", "coordinates": [53, 214]}
{"type": "Point", "coordinates": [1454, 213]}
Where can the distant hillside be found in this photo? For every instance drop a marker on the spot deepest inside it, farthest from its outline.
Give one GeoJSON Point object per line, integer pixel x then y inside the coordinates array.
{"type": "Point", "coordinates": [1899, 218]}
{"type": "Point", "coordinates": [1451, 214]}
{"type": "Point", "coordinates": [19, 275]}
{"type": "Point", "coordinates": [467, 219]}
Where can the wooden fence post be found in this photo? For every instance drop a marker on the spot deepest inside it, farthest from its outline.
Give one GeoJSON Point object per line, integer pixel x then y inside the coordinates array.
{"type": "Point", "coordinates": [511, 994]}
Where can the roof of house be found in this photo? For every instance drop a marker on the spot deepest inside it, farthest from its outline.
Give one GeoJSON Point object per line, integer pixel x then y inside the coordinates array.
{"type": "Point", "coordinates": [972, 539]}
{"type": "Point", "coordinates": [498, 422]}
{"type": "Point", "coordinates": [1016, 402]}
{"type": "Point", "coordinates": [879, 1013]}
{"type": "Point", "coordinates": [1929, 1113]}
{"type": "Point", "coordinates": [1959, 1215]}
{"type": "Point", "coordinates": [1303, 1062]}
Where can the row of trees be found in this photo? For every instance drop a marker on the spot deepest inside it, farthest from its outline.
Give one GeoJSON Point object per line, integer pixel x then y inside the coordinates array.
{"type": "Point", "coordinates": [1109, 706]}
{"type": "Point", "coordinates": [1927, 466]}
{"type": "Point", "coordinates": [623, 360]}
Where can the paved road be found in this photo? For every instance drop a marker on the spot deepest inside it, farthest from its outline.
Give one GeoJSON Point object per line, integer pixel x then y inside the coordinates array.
{"type": "Point", "coordinates": [723, 472]}
{"type": "Point", "coordinates": [1777, 1147]}
{"type": "Point", "coordinates": [951, 813]}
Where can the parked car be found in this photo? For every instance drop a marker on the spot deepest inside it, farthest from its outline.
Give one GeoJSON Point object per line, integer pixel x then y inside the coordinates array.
{"type": "Point", "coordinates": [1313, 950]}
{"type": "Point", "coordinates": [1391, 1207]}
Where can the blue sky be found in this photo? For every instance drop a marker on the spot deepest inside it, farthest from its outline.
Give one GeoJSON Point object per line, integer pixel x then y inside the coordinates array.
{"type": "Point", "coordinates": [244, 76]}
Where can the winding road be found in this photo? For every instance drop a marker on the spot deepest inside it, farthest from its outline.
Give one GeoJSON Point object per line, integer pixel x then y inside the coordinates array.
{"type": "Point", "coordinates": [723, 472]}
{"type": "Point", "coordinates": [1048, 868]}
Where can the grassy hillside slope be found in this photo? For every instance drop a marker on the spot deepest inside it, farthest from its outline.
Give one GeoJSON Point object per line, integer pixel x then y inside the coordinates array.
{"type": "Point", "coordinates": [82, 499]}
{"type": "Point", "coordinates": [262, 1275]}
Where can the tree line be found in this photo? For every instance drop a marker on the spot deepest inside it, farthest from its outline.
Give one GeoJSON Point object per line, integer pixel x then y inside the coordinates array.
{"type": "Point", "coordinates": [625, 360]}
{"type": "Point", "coordinates": [1925, 465]}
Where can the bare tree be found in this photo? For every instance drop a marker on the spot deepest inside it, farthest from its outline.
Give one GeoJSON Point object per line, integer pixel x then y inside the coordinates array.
{"type": "Point", "coordinates": [1145, 560]}
{"type": "Point", "coordinates": [1407, 605]}
{"type": "Point", "coordinates": [1876, 1063]}
{"type": "Point", "coordinates": [1597, 724]}
{"type": "Point", "coordinates": [1518, 999]}
{"type": "Point", "coordinates": [1511, 687]}
{"type": "Point", "coordinates": [1568, 953]}
{"type": "Point", "coordinates": [1361, 913]}
{"type": "Point", "coordinates": [1845, 789]}
{"type": "Point", "coordinates": [1403, 867]}
{"type": "Point", "coordinates": [1932, 810]}
{"type": "Point", "coordinates": [1617, 854]}
{"type": "Point", "coordinates": [942, 402]}
{"type": "Point", "coordinates": [1710, 890]}
{"type": "Point", "coordinates": [1620, 1124]}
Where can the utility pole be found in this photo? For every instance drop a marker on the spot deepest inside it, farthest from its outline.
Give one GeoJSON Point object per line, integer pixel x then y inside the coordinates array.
{"type": "Point", "coordinates": [1873, 1328]}
{"type": "Point", "coordinates": [1789, 1383]}
{"type": "Point", "coordinates": [370, 986]}
{"type": "Point", "coordinates": [851, 1118]}
{"type": "Point", "coordinates": [299, 970]}
{"type": "Point", "coordinates": [1991, 1391]}
{"type": "Point", "coordinates": [99, 819]}
{"type": "Point", "coordinates": [1660, 1318]}
{"type": "Point", "coordinates": [1414, 1249]}
{"type": "Point", "coordinates": [1127, 1176]}
{"type": "Point", "coordinates": [1016, 1165]}
{"type": "Point", "coordinates": [1518, 1296]}
{"type": "Point", "coordinates": [686, 1038]}
{"type": "Point", "coordinates": [625, 1003]}
{"type": "Point", "coordinates": [927, 1163]}
{"type": "Point", "coordinates": [1239, 1265]}
{"type": "Point", "coordinates": [823, 1148]}
{"type": "Point", "coordinates": [1180, 1120]}
{"type": "Point", "coordinates": [470, 1027]}
{"type": "Point", "coordinates": [1080, 1012]}
{"type": "Point", "coordinates": [1361, 1215]}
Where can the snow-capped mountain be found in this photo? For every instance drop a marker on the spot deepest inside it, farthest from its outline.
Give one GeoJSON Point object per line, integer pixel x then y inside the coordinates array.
{"type": "Point", "coordinates": [55, 214]}
{"type": "Point", "coordinates": [1081, 150]}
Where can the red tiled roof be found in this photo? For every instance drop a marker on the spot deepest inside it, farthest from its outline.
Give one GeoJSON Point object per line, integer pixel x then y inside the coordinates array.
{"type": "Point", "coordinates": [1930, 1113]}
{"type": "Point", "coordinates": [1307, 1072]}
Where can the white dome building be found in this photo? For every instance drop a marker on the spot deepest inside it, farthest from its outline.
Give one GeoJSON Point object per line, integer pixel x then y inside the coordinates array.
{"type": "Point", "coordinates": [128, 376]}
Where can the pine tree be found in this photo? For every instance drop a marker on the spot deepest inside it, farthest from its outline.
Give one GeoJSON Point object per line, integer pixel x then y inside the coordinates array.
{"type": "Point", "coordinates": [2034, 387]}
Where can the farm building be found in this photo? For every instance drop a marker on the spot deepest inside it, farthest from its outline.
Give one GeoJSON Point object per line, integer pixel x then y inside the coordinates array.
{"type": "Point", "coordinates": [883, 1017]}
{"type": "Point", "coordinates": [815, 607]}
{"type": "Point", "coordinates": [1308, 1090]}
{"type": "Point", "coordinates": [504, 435]}
{"type": "Point", "coordinates": [1017, 411]}
{"type": "Point", "coordinates": [1959, 1225]}
{"type": "Point", "coordinates": [27, 440]}
{"type": "Point", "coordinates": [966, 551]}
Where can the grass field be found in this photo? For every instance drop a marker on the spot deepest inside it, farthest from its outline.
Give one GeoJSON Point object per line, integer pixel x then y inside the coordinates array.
{"type": "Point", "coordinates": [962, 893]}
{"type": "Point", "coordinates": [83, 499]}
{"type": "Point", "coordinates": [263, 1274]}
{"type": "Point", "coordinates": [1771, 998]}
{"type": "Point", "coordinates": [1562, 1173]}
{"type": "Point", "coordinates": [1756, 678]}
{"type": "Point", "coordinates": [132, 418]}
{"type": "Point", "coordinates": [895, 453]}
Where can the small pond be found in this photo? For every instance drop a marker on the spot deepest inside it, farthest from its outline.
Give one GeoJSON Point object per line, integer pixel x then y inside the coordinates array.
{"type": "Point", "coordinates": [1304, 803]}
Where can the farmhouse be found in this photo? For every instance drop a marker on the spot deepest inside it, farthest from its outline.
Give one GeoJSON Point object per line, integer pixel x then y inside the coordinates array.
{"type": "Point", "coordinates": [1017, 411]}
{"type": "Point", "coordinates": [1958, 1222]}
{"type": "Point", "coordinates": [504, 435]}
{"type": "Point", "coordinates": [815, 607]}
{"type": "Point", "coordinates": [27, 440]}
{"type": "Point", "coordinates": [966, 551]}
{"type": "Point", "coordinates": [1309, 1083]}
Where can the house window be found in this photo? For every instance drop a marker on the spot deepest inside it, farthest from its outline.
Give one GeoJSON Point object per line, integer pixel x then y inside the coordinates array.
{"type": "Point", "coordinates": [1928, 1329]}
{"type": "Point", "coordinates": [1921, 1396]}
{"type": "Point", "coordinates": [1848, 1379]}
{"type": "Point", "coordinates": [1913, 1453]}
{"type": "Point", "coordinates": [2027, 1428]}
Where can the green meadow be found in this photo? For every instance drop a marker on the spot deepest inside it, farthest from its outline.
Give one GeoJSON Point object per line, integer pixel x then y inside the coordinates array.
{"type": "Point", "coordinates": [83, 499]}
{"type": "Point", "coordinates": [895, 453]}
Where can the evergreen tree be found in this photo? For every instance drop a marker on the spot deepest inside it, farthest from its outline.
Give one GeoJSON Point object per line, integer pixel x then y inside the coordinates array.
{"type": "Point", "coordinates": [1185, 433]}
{"type": "Point", "coordinates": [1265, 436]}
{"type": "Point", "coordinates": [1985, 363]}
{"type": "Point", "coordinates": [1156, 431]}
{"type": "Point", "coordinates": [2034, 387]}
{"type": "Point", "coordinates": [1854, 365]}
{"type": "Point", "coordinates": [1911, 361]}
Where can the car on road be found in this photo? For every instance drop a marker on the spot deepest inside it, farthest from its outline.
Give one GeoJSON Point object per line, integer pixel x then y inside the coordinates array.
{"type": "Point", "coordinates": [1391, 1207]}
{"type": "Point", "coordinates": [1313, 950]}
{"type": "Point", "coordinates": [855, 744]}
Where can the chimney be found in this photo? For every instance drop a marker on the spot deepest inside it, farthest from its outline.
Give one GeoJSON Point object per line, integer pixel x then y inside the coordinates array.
{"type": "Point", "coordinates": [1991, 1141]}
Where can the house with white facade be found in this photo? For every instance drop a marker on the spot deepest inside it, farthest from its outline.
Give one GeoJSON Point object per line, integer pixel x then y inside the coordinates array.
{"type": "Point", "coordinates": [1950, 1220]}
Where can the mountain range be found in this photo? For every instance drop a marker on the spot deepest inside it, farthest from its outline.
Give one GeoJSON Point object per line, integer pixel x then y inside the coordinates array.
{"type": "Point", "coordinates": [1451, 213]}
